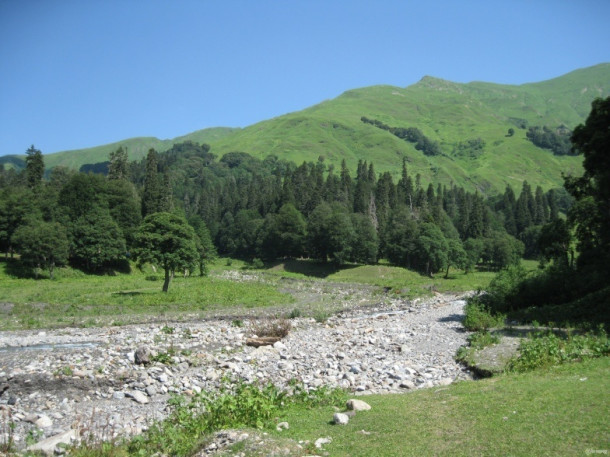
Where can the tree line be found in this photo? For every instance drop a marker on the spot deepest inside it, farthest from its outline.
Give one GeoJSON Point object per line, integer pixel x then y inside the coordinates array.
{"type": "Point", "coordinates": [267, 209]}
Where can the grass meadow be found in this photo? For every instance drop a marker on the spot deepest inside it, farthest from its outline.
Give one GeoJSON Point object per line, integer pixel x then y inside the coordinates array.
{"type": "Point", "coordinates": [558, 411]}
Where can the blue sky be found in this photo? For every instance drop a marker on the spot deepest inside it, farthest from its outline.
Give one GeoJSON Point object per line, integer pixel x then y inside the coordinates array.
{"type": "Point", "coordinates": [78, 73]}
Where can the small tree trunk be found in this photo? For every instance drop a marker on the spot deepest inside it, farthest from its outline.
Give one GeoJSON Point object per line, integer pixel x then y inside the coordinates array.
{"type": "Point", "coordinates": [447, 274]}
{"type": "Point", "coordinates": [51, 267]}
{"type": "Point", "coordinates": [166, 282]}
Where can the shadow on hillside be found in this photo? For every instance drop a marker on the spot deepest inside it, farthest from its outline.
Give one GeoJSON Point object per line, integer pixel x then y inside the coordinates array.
{"type": "Point", "coordinates": [309, 267]}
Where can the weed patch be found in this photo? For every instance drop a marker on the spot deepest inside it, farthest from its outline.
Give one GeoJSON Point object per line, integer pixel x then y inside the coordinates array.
{"type": "Point", "coordinates": [547, 348]}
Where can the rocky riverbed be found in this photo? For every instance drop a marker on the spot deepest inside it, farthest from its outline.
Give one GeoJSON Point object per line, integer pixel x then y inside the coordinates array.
{"type": "Point", "coordinates": [59, 383]}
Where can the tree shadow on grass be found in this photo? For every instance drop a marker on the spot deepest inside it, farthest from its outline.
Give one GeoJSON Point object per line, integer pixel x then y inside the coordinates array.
{"type": "Point", "coordinates": [309, 267]}
{"type": "Point", "coordinates": [134, 293]}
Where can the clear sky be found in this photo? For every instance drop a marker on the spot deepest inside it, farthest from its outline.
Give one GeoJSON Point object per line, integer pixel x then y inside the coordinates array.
{"type": "Point", "coordinates": [81, 73]}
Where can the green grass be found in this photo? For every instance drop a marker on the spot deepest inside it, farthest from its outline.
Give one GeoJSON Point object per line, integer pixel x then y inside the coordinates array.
{"type": "Point", "coordinates": [403, 282]}
{"type": "Point", "coordinates": [412, 283]}
{"type": "Point", "coordinates": [560, 411]}
{"type": "Point", "coordinates": [77, 299]}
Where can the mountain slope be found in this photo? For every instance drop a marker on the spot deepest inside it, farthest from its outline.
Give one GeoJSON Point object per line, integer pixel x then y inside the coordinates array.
{"type": "Point", "coordinates": [446, 112]}
{"type": "Point", "coordinates": [136, 148]}
{"type": "Point", "coordinates": [451, 114]}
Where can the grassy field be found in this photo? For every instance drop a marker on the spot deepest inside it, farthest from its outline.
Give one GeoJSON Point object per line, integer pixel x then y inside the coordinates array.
{"type": "Point", "coordinates": [78, 299]}
{"type": "Point", "coordinates": [560, 411]}
{"type": "Point", "coordinates": [401, 281]}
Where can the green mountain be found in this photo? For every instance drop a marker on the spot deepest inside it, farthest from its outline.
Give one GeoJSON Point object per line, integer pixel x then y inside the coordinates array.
{"type": "Point", "coordinates": [136, 148]}
{"type": "Point", "coordinates": [447, 112]}
{"type": "Point", "coordinates": [470, 123]}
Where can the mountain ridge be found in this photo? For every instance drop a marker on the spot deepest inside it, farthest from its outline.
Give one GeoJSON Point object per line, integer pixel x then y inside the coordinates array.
{"type": "Point", "coordinates": [449, 113]}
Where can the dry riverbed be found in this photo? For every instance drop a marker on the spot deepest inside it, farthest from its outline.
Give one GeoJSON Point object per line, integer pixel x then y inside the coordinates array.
{"type": "Point", "coordinates": [66, 382]}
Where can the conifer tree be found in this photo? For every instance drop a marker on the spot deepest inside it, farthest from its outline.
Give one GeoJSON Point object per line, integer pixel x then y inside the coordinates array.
{"type": "Point", "coordinates": [118, 166]}
{"type": "Point", "coordinates": [151, 194]}
{"type": "Point", "coordinates": [34, 168]}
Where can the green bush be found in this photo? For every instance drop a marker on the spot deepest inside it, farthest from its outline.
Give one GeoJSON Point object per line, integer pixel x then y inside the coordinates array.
{"type": "Point", "coordinates": [295, 313]}
{"type": "Point", "coordinates": [479, 317]}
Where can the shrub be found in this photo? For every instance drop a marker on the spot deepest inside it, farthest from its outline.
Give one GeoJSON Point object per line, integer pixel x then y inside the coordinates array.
{"type": "Point", "coordinates": [321, 315]}
{"type": "Point", "coordinates": [479, 317]}
{"type": "Point", "coordinates": [272, 327]}
{"type": "Point", "coordinates": [296, 312]}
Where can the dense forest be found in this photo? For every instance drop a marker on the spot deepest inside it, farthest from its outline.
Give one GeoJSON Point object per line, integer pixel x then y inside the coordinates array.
{"type": "Point", "coordinates": [243, 207]}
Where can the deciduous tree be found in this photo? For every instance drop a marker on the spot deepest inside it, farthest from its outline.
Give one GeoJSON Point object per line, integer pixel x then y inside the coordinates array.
{"type": "Point", "coordinates": [167, 240]}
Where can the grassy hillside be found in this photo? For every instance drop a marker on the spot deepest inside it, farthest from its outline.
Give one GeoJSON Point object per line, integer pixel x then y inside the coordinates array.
{"type": "Point", "coordinates": [136, 147]}
{"type": "Point", "coordinates": [444, 111]}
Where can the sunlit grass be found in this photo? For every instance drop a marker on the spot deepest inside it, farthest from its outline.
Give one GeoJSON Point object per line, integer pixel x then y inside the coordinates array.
{"type": "Point", "coordinates": [560, 411]}
{"type": "Point", "coordinates": [78, 299]}
{"type": "Point", "coordinates": [399, 280]}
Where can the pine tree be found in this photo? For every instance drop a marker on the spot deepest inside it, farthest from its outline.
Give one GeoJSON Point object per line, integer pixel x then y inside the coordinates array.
{"type": "Point", "coordinates": [151, 195]}
{"type": "Point", "coordinates": [34, 168]}
{"type": "Point", "coordinates": [118, 166]}
{"type": "Point", "coordinates": [346, 191]}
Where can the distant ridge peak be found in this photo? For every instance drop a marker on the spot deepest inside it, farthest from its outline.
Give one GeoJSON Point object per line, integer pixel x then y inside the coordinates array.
{"type": "Point", "coordinates": [437, 83]}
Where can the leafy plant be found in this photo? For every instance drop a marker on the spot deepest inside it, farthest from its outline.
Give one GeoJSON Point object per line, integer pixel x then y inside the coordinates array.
{"type": "Point", "coordinates": [168, 330]}
{"type": "Point", "coordinates": [479, 317]}
{"type": "Point", "coordinates": [547, 348]}
{"type": "Point", "coordinates": [164, 357]}
{"type": "Point", "coordinates": [233, 406]}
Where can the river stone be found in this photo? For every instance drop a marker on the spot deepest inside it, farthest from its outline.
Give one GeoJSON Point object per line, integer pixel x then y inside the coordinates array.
{"type": "Point", "coordinates": [47, 446]}
{"type": "Point", "coordinates": [139, 397]}
{"type": "Point", "coordinates": [43, 421]}
{"type": "Point", "coordinates": [358, 405]}
{"type": "Point", "coordinates": [142, 356]}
